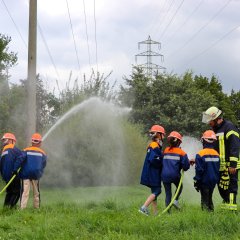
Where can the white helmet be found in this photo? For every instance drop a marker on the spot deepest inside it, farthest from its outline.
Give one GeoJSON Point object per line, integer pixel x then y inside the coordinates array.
{"type": "Point", "coordinates": [211, 114]}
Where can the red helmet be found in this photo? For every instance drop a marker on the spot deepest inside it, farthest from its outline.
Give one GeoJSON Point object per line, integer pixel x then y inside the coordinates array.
{"type": "Point", "coordinates": [175, 134]}
{"type": "Point", "coordinates": [36, 137]}
{"type": "Point", "coordinates": [157, 128]}
{"type": "Point", "coordinates": [209, 135]}
{"type": "Point", "coordinates": [9, 136]}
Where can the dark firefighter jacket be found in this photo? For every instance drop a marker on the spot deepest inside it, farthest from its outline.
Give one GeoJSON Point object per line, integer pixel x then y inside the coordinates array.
{"type": "Point", "coordinates": [32, 163]}
{"type": "Point", "coordinates": [9, 156]}
{"type": "Point", "coordinates": [228, 145]}
{"type": "Point", "coordinates": [207, 164]}
{"type": "Point", "coordinates": [174, 160]}
{"type": "Point", "coordinates": [151, 172]}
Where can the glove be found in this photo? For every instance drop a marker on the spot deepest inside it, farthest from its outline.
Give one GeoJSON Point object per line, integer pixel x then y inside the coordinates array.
{"type": "Point", "coordinates": [197, 186]}
{"type": "Point", "coordinates": [224, 180]}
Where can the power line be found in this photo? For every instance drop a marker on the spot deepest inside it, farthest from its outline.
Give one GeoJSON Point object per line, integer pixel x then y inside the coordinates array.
{"type": "Point", "coordinates": [73, 36]}
{"type": "Point", "coordinates": [204, 26]}
{"type": "Point", "coordinates": [49, 53]}
{"type": "Point", "coordinates": [164, 17]}
{"type": "Point", "coordinates": [14, 23]}
{"type": "Point", "coordinates": [156, 19]}
{"type": "Point", "coordinates": [212, 45]}
{"type": "Point", "coordinates": [186, 20]}
{"type": "Point", "coordinates": [86, 28]}
{"type": "Point", "coordinates": [95, 30]}
{"type": "Point", "coordinates": [174, 15]}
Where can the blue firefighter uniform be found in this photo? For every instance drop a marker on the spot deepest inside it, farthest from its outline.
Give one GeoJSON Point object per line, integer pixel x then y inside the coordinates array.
{"type": "Point", "coordinates": [207, 174]}
{"type": "Point", "coordinates": [174, 160]}
{"type": "Point", "coordinates": [228, 146]}
{"type": "Point", "coordinates": [9, 156]}
{"type": "Point", "coordinates": [32, 162]}
{"type": "Point", "coordinates": [151, 172]}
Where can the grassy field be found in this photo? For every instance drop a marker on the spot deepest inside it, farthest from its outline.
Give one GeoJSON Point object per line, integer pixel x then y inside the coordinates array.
{"type": "Point", "coordinates": [112, 213]}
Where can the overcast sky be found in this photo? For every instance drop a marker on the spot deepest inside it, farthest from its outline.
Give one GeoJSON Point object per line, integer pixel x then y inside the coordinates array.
{"type": "Point", "coordinates": [202, 36]}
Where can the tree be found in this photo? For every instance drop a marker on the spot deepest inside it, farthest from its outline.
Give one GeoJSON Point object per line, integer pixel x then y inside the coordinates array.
{"type": "Point", "coordinates": [173, 101]}
{"type": "Point", "coordinates": [96, 85]}
{"type": "Point", "coordinates": [235, 102]}
{"type": "Point", "coordinates": [7, 59]}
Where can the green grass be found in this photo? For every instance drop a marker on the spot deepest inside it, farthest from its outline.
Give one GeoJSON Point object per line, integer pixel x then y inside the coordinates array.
{"type": "Point", "coordinates": [112, 213]}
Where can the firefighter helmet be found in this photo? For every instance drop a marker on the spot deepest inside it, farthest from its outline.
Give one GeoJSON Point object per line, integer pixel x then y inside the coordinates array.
{"type": "Point", "coordinates": [209, 136]}
{"type": "Point", "coordinates": [10, 136]}
{"type": "Point", "coordinates": [36, 138]}
{"type": "Point", "coordinates": [211, 114]}
{"type": "Point", "coordinates": [157, 128]}
{"type": "Point", "coordinates": [176, 135]}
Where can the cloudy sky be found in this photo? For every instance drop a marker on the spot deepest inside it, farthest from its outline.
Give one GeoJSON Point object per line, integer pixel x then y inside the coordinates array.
{"type": "Point", "coordinates": [198, 35]}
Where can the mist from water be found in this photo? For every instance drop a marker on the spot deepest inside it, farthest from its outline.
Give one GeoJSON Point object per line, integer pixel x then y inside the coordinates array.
{"type": "Point", "coordinates": [89, 146]}
{"type": "Point", "coordinates": [192, 146]}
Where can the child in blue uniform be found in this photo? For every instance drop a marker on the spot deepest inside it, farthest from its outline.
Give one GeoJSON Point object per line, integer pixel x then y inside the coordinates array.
{"type": "Point", "coordinates": [174, 160]}
{"type": "Point", "coordinates": [32, 165]}
{"type": "Point", "coordinates": [10, 154]}
{"type": "Point", "coordinates": [207, 170]}
{"type": "Point", "coordinates": [151, 173]}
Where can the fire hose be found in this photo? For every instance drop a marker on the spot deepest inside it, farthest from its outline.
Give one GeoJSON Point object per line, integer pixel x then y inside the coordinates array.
{"type": "Point", "coordinates": [9, 182]}
{"type": "Point", "coordinates": [175, 195]}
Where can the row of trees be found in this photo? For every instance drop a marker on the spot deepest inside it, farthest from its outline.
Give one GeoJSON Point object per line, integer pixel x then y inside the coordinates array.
{"type": "Point", "coordinates": [176, 102]}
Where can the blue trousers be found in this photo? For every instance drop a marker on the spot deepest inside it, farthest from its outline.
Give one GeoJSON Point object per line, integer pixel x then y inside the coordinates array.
{"type": "Point", "coordinates": [168, 190]}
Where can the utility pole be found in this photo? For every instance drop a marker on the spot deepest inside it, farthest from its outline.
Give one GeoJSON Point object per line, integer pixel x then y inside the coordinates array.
{"type": "Point", "coordinates": [149, 66]}
{"type": "Point", "coordinates": [31, 80]}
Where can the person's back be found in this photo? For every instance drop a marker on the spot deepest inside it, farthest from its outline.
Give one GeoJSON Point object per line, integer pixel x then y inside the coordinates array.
{"type": "Point", "coordinates": [207, 169]}
{"type": "Point", "coordinates": [34, 164]}
{"type": "Point", "coordinates": [9, 155]}
{"type": "Point", "coordinates": [174, 159]}
{"type": "Point", "coordinates": [207, 166]}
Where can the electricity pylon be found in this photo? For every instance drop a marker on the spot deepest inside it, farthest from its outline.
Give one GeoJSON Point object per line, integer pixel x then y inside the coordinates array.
{"type": "Point", "coordinates": [149, 67]}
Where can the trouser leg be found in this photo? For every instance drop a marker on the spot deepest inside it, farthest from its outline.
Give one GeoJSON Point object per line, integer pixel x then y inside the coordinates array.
{"type": "Point", "coordinates": [25, 193]}
{"type": "Point", "coordinates": [168, 191]}
{"type": "Point", "coordinates": [36, 193]}
{"type": "Point", "coordinates": [206, 198]}
{"type": "Point", "coordinates": [211, 206]}
{"type": "Point", "coordinates": [7, 198]}
{"type": "Point", "coordinates": [12, 193]}
{"type": "Point", "coordinates": [232, 188]}
{"type": "Point", "coordinates": [180, 190]}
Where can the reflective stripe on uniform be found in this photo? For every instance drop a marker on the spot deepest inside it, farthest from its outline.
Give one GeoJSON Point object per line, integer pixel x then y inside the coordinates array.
{"type": "Point", "coordinates": [34, 154]}
{"type": "Point", "coordinates": [233, 159]}
{"type": "Point", "coordinates": [222, 152]}
{"type": "Point", "coordinates": [212, 159]}
{"type": "Point", "coordinates": [171, 157]}
{"type": "Point", "coordinates": [232, 132]}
